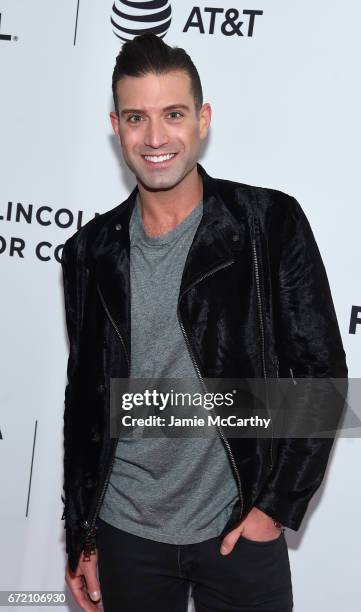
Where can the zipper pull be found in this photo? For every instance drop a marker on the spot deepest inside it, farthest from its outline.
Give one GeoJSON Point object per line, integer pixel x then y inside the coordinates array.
{"type": "Point", "coordinates": [89, 547]}
{"type": "Point", "coordinates": [293, 378]}
{"type": "Point", "coordinates": [276, 362]}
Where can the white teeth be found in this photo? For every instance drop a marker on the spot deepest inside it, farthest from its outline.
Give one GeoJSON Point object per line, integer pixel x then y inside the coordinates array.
{"type": "Point", "coordinates": [159, 158]}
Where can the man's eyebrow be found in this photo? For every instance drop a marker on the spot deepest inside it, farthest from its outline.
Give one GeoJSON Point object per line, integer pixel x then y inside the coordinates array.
{"type": "Point", "coordinates": [127, 111]}
{"type": "Point", "coordinates": [175, 106]}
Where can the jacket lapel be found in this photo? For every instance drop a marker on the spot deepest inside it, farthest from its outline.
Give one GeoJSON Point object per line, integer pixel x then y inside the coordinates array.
{"type": "Point", "coordinates": [111, 252]}
{"type": "Point", "coordinates": [220, 236]}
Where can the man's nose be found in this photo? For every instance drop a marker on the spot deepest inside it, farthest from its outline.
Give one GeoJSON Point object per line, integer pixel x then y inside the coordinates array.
{"type": "Point", "coordinates": [156, 134]}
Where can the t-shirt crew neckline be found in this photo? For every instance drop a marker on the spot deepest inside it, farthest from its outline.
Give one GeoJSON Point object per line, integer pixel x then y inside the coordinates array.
{"type": "Point", "coordinates": [173, 234]}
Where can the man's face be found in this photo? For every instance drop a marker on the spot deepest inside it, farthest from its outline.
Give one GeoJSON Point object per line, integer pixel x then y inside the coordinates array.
{"type": "Point", "coordinates": [159, 129]}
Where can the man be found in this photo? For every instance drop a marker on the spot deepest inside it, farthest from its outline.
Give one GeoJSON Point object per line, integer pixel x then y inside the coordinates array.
{"type": "Point", "coordinates": [199, 277]}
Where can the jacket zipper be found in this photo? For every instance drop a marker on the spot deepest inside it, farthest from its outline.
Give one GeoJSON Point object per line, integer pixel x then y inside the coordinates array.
{"type": "Point", "coordinates": [196, 366]}
{"type": "Point", "coordinates": [260, 317]}
{"type": "Point", "coordinates": [89, 526]}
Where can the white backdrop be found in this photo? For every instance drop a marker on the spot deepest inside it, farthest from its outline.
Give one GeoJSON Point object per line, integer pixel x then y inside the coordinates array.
{"type": "Point", "coordinates": [286, 106]}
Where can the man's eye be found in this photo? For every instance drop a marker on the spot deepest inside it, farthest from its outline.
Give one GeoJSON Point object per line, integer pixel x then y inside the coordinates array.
{"type": "Point", "coordinates": [134, 118]}
{"type": "Point", "coordinates": [175, 115]}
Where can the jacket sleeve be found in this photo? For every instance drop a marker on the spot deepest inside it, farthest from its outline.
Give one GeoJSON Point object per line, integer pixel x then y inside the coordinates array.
{"type": "Point", "coordinates": [71, 305]}
{"type": "Point", "coordinates": [309, 346]}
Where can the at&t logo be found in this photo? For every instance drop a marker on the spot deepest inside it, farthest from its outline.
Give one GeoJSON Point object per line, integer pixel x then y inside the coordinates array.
{"type": "Point", "coordinates": [229, 22]}
{"type": "Point", "coordinates": [132, 17]}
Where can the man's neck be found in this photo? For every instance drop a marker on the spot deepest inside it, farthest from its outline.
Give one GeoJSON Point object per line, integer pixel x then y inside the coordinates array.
{"type": "Point", "coordinates": [162, 211]}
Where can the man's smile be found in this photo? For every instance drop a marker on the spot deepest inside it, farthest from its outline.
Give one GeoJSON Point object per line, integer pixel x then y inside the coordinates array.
{"type": "Point", "coordinates": [159, 159]}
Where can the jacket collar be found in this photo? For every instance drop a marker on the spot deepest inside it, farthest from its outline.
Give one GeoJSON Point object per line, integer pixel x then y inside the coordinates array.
{"type": "Point", "coordinates": [220, 237]}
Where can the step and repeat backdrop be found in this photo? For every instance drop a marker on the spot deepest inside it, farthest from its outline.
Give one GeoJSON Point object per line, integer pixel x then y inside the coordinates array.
{"type": "Point", "coordinates": [284, 84]}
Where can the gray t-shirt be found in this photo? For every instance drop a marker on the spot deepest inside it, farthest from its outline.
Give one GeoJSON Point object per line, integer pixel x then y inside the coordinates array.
{"type": "Point", "coordinates": [174, 490]}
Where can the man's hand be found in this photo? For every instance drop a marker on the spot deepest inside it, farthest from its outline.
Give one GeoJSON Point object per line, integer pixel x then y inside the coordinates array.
{"type": "Point", "coordinates": [84, 584]}
{"type": "Point", "coordinates": [256, 526]}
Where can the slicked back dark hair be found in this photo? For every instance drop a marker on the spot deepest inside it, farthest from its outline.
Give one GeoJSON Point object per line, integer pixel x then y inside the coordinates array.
{"type": "Point", "coordinates": [149, 54]}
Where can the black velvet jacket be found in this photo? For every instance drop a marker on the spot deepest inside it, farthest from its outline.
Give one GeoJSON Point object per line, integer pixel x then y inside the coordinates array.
{"type": "Point", "coordinates": [254, 301]}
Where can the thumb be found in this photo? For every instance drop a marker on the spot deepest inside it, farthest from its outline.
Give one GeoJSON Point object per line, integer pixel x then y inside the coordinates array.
{"type": "Point", "coordinates": [229, 541]}
{"type": "Point", "coordinates": [92, 582]}
{"type": "Point", "coordinates": [93, 589]}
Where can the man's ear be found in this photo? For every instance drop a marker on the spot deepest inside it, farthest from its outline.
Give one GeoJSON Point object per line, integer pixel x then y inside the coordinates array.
{"type": "Point", "coordinates": [205, 115]}
{"type": "Point", "coordinates": [115, 122]}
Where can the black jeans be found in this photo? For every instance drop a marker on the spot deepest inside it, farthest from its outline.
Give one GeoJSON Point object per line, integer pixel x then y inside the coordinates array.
{"type": "Point", "coordinates": [140, 575]}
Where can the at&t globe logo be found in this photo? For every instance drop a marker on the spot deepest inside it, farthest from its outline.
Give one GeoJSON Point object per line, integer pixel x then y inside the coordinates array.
{"type": "Point", "coordinates": [132, 17]}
